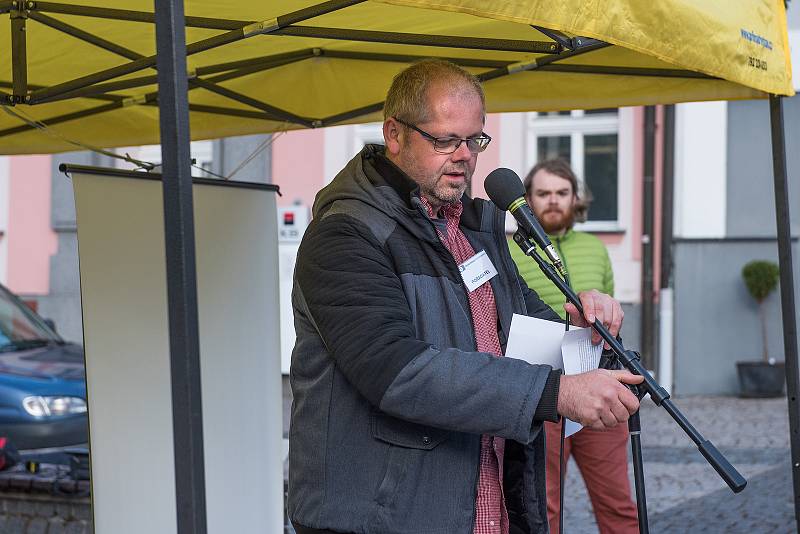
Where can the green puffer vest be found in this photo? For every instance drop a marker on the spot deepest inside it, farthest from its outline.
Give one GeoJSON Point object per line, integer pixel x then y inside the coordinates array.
{"type": "Point", "coordinates": [587, 263]}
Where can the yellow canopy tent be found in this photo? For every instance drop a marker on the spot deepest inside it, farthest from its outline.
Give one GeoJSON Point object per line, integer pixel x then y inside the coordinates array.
{"type": "Point", "coordinates": [87, 71]}
{"type": "Point", "coordinates": [84, 74]}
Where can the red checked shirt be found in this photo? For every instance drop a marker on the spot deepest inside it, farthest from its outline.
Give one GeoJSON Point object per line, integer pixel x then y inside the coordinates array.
{"type": "Point", "coordinates": [491, 516]}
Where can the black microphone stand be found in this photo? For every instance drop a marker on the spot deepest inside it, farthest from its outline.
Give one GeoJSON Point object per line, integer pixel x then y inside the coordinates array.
{"type": "Point", "coordinates": [659, 395]}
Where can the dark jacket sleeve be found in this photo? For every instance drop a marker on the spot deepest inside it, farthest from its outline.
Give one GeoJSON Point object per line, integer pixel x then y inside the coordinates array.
{"type": "Point", "coordinates": [357, 304]}
{"type": "Point", "coordinates": [547, 408]}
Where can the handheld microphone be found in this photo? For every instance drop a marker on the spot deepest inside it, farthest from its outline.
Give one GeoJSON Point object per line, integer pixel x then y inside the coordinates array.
{"type": "Point", "coordinates": [505, 189]}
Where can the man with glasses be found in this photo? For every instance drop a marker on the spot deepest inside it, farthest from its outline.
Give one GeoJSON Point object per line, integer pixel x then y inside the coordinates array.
{"type": "Point", "coordinates": [406, 418]}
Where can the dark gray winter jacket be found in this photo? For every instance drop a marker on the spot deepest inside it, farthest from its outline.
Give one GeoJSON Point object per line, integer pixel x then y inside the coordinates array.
{"type": "Point", "coordinates": [390, 394]}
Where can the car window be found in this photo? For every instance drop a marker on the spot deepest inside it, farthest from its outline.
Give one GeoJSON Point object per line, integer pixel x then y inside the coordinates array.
{"type": "Point", "coordinates": [19, 324]}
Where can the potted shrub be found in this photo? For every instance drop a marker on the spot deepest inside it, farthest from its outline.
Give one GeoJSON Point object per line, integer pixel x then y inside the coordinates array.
{"type": "Point", "coordinates": [766, 377]}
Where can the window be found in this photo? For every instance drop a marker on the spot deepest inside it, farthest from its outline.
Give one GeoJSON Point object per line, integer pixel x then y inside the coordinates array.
{"type": "Point", "coordinates": [201, 151]}
{"type": "Point", "coordinates": [589, 140]}
{"type": "Point", "coordinates": [367, 134]}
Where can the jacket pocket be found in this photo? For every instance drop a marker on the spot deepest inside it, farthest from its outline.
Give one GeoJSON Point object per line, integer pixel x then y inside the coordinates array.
{"type": "Point", "coordinates": [404, 433]}
{"type": "Point", "coordinates": [406, 445]}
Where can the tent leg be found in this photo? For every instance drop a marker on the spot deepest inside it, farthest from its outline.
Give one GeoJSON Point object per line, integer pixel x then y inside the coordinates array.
{"type": "Point", "coordinates": [787, 287]}
{"type": "Point", "coordinates": [184, 344]}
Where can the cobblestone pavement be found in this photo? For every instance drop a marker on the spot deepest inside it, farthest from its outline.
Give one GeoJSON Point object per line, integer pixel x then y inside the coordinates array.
{"type": "Point", "coordinates": [684, 494]}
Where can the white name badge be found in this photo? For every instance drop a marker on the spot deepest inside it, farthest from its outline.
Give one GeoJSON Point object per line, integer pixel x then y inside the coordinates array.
{"type": "Point", "coordinates": [477, 270]}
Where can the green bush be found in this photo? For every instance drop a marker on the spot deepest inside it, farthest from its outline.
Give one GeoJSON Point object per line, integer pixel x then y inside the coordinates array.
{"type": "Point", "coordinates": [760, 277]}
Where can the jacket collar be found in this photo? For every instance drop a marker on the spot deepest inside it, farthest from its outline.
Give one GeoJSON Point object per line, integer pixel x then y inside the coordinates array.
{"type": "Point", "coordinates": [408, 190]}
{"type": "Point", "coordinates": [567, 235]}
{"type": "Point", "coordinates": [392, 175]}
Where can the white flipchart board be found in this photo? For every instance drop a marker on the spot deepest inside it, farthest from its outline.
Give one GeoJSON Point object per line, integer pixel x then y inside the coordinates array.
{"type": "Point", "coordinates": [124, 300]}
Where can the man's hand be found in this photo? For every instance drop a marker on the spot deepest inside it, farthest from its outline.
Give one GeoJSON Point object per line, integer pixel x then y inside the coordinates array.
{"type": "Point", "coordinates": [598, 399]}
{"type": "Point", "coordinates": [598, 306]}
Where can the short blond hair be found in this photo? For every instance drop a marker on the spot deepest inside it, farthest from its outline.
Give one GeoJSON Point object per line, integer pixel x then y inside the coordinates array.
{"type": "Point", "coordinates": [407, 96]}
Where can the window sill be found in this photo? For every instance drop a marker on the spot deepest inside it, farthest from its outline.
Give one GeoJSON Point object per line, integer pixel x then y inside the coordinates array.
{"type": "Point", "coordinates": [598, 227]}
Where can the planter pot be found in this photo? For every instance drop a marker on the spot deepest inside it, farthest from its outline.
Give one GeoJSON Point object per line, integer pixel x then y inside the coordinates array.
{"type": "Point", "coordinates": [761, 379]}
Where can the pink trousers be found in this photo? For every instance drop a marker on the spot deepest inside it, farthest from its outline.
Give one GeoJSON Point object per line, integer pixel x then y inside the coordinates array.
{"type": "Point", "coordinates": [602, 457]}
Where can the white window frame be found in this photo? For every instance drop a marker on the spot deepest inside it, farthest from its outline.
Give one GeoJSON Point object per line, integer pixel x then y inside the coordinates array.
{"type": "Point", "coordinates": [366, 133]}
{"type": "Point", "coordinates": [576, 126]}
{"type": "Point", "coordinates": [201, 151]}
{"type": "Point", "coordinates": [342, 143]}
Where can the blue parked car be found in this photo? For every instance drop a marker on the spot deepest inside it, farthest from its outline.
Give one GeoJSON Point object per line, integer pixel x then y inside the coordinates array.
{"type": "Point", "coordinates": [42, 381]}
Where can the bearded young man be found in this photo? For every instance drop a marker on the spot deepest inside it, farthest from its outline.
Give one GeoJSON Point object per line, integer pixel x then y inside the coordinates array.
{"type": "Point", "coordinates": [405, 417]}
{"type": "Point", "coordinates": [551, 189]}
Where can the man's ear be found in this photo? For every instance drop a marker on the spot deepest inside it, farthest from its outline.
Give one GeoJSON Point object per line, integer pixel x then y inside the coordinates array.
{"type": "Point", "coordinates": [392, 136]}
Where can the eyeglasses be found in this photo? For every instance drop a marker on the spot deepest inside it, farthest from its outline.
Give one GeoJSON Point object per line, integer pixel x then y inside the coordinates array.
{"type": "Point", "coordinates": [448, 145]}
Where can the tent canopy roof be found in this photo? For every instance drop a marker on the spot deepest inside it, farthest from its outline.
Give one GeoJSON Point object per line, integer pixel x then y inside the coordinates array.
{"type": "Point", "coordinates": [87, 71]}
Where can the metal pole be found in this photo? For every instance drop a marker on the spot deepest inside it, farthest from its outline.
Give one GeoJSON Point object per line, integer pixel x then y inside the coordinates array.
{"type": "Point", "coordinates": [635, 430]}
{"type": "Point", "coordinates": [184, 343]}
{"type": "Point", "coordinates": [665, 297]}
{"type": "Point", "coordinates": [783, 220]}
{"type": "Point", "coordinates": [667, 195]}
{"type": "Point", "coordinates": [648, 312]}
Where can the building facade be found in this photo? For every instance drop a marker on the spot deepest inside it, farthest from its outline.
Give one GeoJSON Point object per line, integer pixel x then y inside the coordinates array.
{"type": "Point", "coordinates": [724, 216]}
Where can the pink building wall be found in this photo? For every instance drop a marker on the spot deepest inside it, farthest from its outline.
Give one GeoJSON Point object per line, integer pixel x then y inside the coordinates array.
{"type": "Point", "coordinates": [489, 159]}
{"type": "Point", "coordinates": [31, 241]}
{"type": "Point", "coordinates": [658, 181]}
{"type": "Point", "coordinates": [610, 239]}
{"type": "Point", "coordinates": [298, 165]}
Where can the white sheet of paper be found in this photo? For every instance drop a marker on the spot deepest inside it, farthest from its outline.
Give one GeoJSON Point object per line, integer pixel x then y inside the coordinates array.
{"type": "Point", "coordinates": [578, 353]}
{"type": "Point", "coordinates": [579, 356]}
{"type": "Point", "coordinates": [538, 341]}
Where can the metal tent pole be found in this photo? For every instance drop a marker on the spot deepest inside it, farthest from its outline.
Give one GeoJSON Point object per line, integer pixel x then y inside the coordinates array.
{"type": "Point", "coordinates": [787, 287]}
{"type": "Point", "coordinates": [184, 343]}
